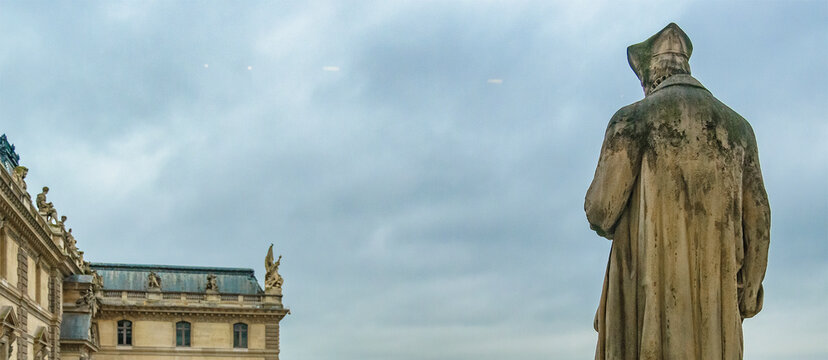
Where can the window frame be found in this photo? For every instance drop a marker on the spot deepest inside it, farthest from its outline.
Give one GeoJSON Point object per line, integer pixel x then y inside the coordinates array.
{"type": "Point", "coordinates": [183, 328]}
{"type": "Point", "coordinates": [124, 332]}
{"type": "Point", "coordinates": [240, 335]}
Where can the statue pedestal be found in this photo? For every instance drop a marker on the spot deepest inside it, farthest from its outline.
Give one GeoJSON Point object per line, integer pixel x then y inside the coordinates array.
{"type": "Point", "coordinates": [273, 296]}
{"type": "Point", "coordinates": [213, 296]}
{"type": "Point", "coordinates": [154, 294]}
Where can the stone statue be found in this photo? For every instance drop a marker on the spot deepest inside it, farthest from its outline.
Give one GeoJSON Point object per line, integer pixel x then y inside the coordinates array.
{"type": "Point", "coordinates": [89, 299]}
{"type": "Point", "coordinates": [272, 277]}
{"type": "Point", "coordinates": [19, 176]}
{"type": "Point", "coordinates": [97, 283]}
{"type": "Point", "coordinates": [212, 283]}
{"type": "Point", "coordinates": [71, 247]}
{"type": "Point", "coordinates": [62, 223]}
{"type": "Point", "coordinates": [47, 209]}
{"type": "Point", "coordinates": [679, 191]}
{"type": "Point", "coordinates": [86, 266]}
{"type": "Point", "coordinates": [153, 281]}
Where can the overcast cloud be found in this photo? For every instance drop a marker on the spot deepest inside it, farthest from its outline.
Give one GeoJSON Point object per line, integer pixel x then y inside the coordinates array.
{"type": "Point", "coordinates": [421, 165]}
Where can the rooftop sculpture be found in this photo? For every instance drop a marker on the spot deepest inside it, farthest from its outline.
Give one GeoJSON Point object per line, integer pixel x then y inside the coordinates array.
{"type": "Point", "coordinates": [212, 283]}
{"type": "Point", "coordinates": [47, 209]}
{"type": "Point", "coordinates": [153, 281]}
{"type": "Point", "coordinates": [272, 278]}
{"type": "Point", "coordinates": [19, 176]}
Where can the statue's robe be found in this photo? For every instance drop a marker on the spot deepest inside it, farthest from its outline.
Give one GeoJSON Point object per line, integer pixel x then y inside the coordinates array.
{"type": "Point", "coordinates": [679, 192]}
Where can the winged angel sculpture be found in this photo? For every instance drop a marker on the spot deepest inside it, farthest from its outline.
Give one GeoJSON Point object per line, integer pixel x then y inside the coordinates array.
{"type": "Point", "coordinates": [272, 277]}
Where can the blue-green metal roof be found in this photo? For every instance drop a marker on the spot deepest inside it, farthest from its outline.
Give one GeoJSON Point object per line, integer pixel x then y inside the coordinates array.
{"type": "Point", "coordinates": [78, 278]}
{"type": "Point", "coordinates": [75, 326]}
{"type": "Point", "coordinates": [177, 278]}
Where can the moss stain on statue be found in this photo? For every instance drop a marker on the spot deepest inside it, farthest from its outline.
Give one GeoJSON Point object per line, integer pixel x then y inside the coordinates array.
{"type": "Point", "coordinates": [679, 192]}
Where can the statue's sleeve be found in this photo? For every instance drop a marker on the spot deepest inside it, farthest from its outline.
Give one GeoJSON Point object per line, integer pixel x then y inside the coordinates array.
{"type": "Point", "coordinates": [618, 168]}
{"type": "Point", "coordinates": [756, 234]}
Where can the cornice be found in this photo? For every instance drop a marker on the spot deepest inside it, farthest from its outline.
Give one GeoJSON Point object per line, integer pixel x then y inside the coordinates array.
{"type": "Point", "coordinates": [179, 351]}
{"type": "Point", "coordinates": [78, 344]}
{"type": "Point", "coordinates": [260, 315]}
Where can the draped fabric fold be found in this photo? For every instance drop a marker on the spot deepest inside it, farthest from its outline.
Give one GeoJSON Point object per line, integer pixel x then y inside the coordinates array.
{"type": "Point", "coordinates": [679, 191]}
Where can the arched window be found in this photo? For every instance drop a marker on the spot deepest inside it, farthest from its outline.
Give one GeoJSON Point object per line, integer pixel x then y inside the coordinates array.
{"type": "Point", "coordinates": [124, 332]}
{"type": "Point", "coordinates": [240, 335]}
{"type": "Point", "coordinates": [182, 333]}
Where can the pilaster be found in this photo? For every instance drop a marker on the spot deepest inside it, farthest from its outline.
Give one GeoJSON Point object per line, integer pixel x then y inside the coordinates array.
{"type": "Point", "coordinates": [55, 299]}
{"type": "Point", "coordinates": [22, 312]}
{"type": "Point", "coordinates": [272, 339]}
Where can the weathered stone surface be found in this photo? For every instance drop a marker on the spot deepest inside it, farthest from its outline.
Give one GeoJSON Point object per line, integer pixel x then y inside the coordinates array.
{"type": "Point", "coordinates": [272, 278]}
{"type": "Point", "coordinates": [679, 191]}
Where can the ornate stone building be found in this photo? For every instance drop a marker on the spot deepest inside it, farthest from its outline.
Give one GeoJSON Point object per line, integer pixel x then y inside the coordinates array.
{"type": "Point", "coordinates": [155, 311]}
{"type": "Point", "coordinates": [55, 305]}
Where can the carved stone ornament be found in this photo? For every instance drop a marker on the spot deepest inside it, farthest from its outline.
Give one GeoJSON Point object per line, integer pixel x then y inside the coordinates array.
{"type": "Point", "coordinates": [97, 281]}
{"type": "Point", "coordinates": [679, 192]}
{"type": "Point", "coordinates": [212, 283]}
{"type": "Point", "coordinates": [46, 209]}
{"type": "Point", "coordinates": [62, 224]}
{"type": "Point", "coordinates": [71, 245]}
{"type": "Point", "coordinates": [272, 278]}
{"type": "Point", "coordinates": [8, 324]}
{"type": "Point", "coordinates": [153, 281]}
{"type": "Point", "coordinates": [79, 260]}
{"type": "Point", "coordinates": [19, 176]}
{"type": "Point", "coordinates": [88, 299]}
{"type": "Point", "coordinates": [41, 344]}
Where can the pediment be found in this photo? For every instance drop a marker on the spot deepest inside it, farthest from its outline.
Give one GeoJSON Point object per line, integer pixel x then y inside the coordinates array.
{"type": "Point", "coordinates": [40, 336]}
{"type": "Point", "coordinates": [8, 317]}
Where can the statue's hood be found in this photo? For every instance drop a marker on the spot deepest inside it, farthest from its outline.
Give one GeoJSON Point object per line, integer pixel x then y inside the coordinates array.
{"type": "Point", "coordinates": [670, 40]}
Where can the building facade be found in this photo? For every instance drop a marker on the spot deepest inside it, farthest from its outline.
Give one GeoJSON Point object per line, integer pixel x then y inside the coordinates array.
{"type": "Point", "coordinates": [34, 260]}
{"type": "Point", "coordinates": [152, 312]}
{"type": "Point", "coordinates": [55, 305]}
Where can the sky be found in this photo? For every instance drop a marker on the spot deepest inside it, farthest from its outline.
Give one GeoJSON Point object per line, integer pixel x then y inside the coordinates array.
{"type": "Point", "coordinates": [420, 165]}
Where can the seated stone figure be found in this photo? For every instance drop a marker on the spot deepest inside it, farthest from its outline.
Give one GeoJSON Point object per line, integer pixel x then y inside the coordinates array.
{"type": "Point", "coordinates": [47, 209]}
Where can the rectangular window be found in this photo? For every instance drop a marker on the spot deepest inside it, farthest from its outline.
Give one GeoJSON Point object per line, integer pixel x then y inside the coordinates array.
{"type": "Point", "coordinates": [182, 333]}
{"type": "Point", "coordinates": [124, 332]}
{"type": "Point", "coordinates": [240, 335]}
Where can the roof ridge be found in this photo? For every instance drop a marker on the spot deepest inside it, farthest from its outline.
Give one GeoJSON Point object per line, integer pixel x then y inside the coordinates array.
{"type": "Point", "coordinates": [168, 267]}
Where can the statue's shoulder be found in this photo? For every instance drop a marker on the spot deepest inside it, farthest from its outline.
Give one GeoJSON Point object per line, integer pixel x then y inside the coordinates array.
{"type": "Point", "coordinates": [625, 116]}
{"type": "Point", "coordinates": [627, 111]}
{"type": "Point", "coordinates": [737, 127]}
{"type": "Point", "coordinates": [686, 92]}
